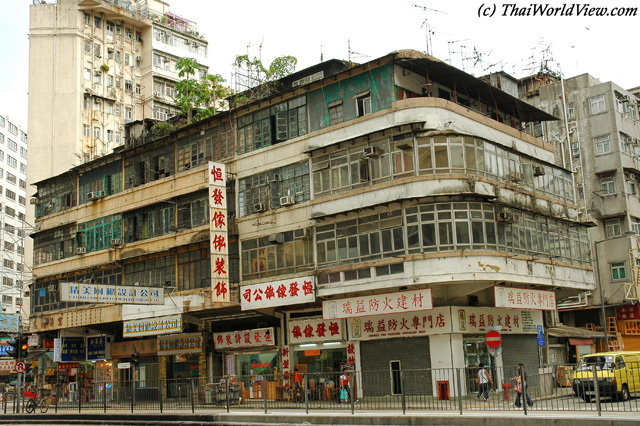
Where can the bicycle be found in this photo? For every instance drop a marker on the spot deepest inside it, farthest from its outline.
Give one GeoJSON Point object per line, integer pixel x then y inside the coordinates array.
{"type": "Point", "coordinates": [38, 399]}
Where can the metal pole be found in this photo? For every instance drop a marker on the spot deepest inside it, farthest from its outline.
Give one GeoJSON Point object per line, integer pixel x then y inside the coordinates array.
{"type": "Point", "coordinates": [57, 395]}
{"type": "Point", "coordinates": [402, 396]}
{"type": "Point", "coordinates": [304, 389]}
{"type": "Point", "coordinates": [193, 408]}
{"type": "Point", "coordinates": [524, 388]}
{"type": "Point", "coordinates": [160, 394]}
{"type": "Point", "coordinates": [597, 388]}
{"type": "Point", "coordinates": [79, 387]}
{"type": "Point", "coordinates": [460, 372]}
{"type": "Point", "coordinates": [602, 312]}
{"type": "Point", "coordinates": [264, 391]}
{"type": "Point", "coordinates": [104, 395]}
{"type": "Point", "coordinates": [226, 388]}
{"type": "Point", "coordinates": [352, 380]}
{"type": "Point", "coordinates": [133, 392]}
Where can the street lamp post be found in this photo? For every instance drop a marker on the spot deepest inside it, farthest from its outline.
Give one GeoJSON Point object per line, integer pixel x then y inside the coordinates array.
{"type": "Point", "coordinates": [602, 312]}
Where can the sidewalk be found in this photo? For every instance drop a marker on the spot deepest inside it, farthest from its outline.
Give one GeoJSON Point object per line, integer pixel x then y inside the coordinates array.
{"type": "Point", "coordinates": [297, 417]}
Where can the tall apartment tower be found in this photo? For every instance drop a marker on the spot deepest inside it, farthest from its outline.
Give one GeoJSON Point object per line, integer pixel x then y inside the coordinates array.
{"type": "Point", "coordinates": [95, 65]}
{"type": "Point", "coordinates": [603, 150]}
{"type": "Point", "coordinates": [13, 222]}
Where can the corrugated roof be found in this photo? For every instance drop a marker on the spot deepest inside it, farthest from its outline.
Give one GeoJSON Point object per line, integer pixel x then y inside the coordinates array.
{"type": "Point", "coordinates": [566, 331]}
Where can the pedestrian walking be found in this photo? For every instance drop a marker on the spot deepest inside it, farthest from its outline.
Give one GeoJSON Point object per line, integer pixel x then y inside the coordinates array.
{"type": "Point", "coordinates": [484, 381]}
{"type": "Point", "coordinates": [344, 387]}
{"type": "Point", "coordinates": [521, 388]}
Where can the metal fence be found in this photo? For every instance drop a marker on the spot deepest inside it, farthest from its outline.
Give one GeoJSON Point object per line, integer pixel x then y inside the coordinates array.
{"type": "Point", "coordinates": [451, 390]}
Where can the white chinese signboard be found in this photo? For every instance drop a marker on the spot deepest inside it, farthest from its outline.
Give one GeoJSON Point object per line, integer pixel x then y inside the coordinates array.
{"type": "Point", "coordinates": [522, 298]}
{"type": "Point", "coordinates": [9, 323]}
{"type": "Point", "coordinates": [315, 330]}
{"type": "Point", "coordinates": [176, 344]}
{"type": "Point", "coordinates": [411, 324]}
{"type": "Point", "coordinates": [378, 304]}
{"type": "Point", "coordinates": [278, 293]}
{"type": "Point", "coordinates": [474, 320]}
{"type": "Point", "coordinates": [7, 364]}
{"type": "Point", "coordinates": [152, 326]}
{"type": "Point", "coordinates": [244, 338]}
{"type": "Point", "coordinates": [112, 294]}
{"type": "Point", "coordinates": [218, 230]}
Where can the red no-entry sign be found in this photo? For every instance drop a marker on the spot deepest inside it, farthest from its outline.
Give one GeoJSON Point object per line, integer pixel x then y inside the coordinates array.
{"type": "Point", "coordinates": [493, 339]}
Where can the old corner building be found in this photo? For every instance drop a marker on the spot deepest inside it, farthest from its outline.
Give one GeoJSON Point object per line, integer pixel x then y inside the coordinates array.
{"type": "Point", "coordinates": [382, 216]}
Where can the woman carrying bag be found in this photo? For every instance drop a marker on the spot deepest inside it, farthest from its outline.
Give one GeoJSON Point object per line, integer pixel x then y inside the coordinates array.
{"type": "Point", "coordinates": [520, 387]}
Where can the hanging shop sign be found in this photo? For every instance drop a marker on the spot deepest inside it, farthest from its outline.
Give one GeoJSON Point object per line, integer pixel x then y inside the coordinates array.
{"type": "Point", "coordinates": [7, 364]}
{"type": "Point", "coordinates": [315, 330]}
{"type": "Point", "coordinates": [218, 231]}
{"type": "Point", "coordinates": [77, 318]}
{"type": "Point", "coordinates": [9, 323]}
{"type": "Point", "coordinates": [72, 349]}
{"type": "Point", "coordinates": [475, 320]}
{"type": "Point", "coordinates": [411, 324]}
{"type": "Point", "coordinates": [628, 313]}
{"type": "Point", "coordinates": [146, 347]}
{"type": "Point", "coordinates": [180, 344]}
{"type": "Point", "coordinates": [152, 326]}
{"type": "Point", "coordinates": [523, 298]}
{"type": "Point", "coordinates": [378, 304]}
{"type": "Point", "coordinates": [244, 338]}
{"type": "Point", "coordinates": [278, 293]}
{"type": "Point", "coordinates": [112, 294]}
{"type": "Point", "coordinates": [96, 348]}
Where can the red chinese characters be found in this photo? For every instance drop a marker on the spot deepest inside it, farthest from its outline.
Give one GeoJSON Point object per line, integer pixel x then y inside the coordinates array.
{"type": "Point", "coordinates": [278, 293]}
{"type": "Point", "coordinates": [314, 330]}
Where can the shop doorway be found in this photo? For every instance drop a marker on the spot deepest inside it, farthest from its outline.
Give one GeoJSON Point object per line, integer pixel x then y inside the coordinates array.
{"type": "Point", "coordinates": [396, 380]}
{"type": "Point", "coordinates": [476, 352]}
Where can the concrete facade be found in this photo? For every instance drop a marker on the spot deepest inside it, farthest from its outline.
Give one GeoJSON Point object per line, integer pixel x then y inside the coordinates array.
{"type": "Point", "coordinates": [370, 181]}
{"type": "Point", "coordinates": [603, 149]}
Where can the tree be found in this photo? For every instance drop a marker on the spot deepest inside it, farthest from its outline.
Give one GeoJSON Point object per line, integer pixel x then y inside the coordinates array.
{"type": "Point", "coordinates": [263, 80]}
{"type": "Point", "coordinates": [205, 95]}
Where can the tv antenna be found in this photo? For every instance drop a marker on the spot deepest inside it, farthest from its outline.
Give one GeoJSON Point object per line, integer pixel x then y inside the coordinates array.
{"type": "Point", "coordinates": [353, 53]}
{"type": "Point", "coordinates": [450, 42]}
{"type": "Point", "coordinates": [426, 26]}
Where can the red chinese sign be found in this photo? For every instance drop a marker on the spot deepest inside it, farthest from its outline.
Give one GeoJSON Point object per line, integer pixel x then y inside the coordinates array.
{"type": "Point", "coordinates": [628, 313]}
{"type": "Point", "coordinates": [219, 236]}
{"type": "Point", "coordinates": [315, 330]}
{"type": "Point", "coordinates": [278, 293]}
{"type": "Point", "coordinates": [244, 338]}
{"type": "Point", "coordinates": [378, 304]}
{"type": "Point", "coordinates": [522, 298]}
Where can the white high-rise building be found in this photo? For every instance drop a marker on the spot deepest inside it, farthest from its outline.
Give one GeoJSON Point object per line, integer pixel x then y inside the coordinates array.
{"type": "Point", "coordinates": [14, 261]}
{"type": "Point", "coordinates": [96, 65]}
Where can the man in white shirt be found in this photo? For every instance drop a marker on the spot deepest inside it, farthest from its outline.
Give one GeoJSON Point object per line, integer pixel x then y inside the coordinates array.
{"type": "Point", "coordinates": [484, 382]}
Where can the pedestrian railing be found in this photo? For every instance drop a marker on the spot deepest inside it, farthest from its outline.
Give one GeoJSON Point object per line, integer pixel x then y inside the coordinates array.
{"type": "Point", "coordinates": [558, 388]}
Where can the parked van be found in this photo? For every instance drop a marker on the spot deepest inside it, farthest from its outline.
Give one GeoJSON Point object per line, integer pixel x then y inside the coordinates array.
{"type": "Point", "coordinates": [618, 375]}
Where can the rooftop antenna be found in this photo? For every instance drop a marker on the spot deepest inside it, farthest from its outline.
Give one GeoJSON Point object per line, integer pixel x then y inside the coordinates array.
{"type": "Point", "coordinates": [425, 24]}
{"type": "Point", "coordinates": [353, 53]}
{"type": "Point", "coordinates": [450, 42]}
{"type": "Point", "coordinates": [321, 54]}
{"type": "Point", "coordinates": [477, 56]}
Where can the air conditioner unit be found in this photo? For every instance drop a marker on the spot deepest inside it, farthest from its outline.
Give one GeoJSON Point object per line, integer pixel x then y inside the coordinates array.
{"type": "Point", "coordinates": [508, 217]}
{"type": "Point", "coordinates": [273, 178]}
{"type": "Point", "coordinates": [159, 95]}
{"type": "Point", "coordinates": [139, 58]}
{"type": "Point", "coordinates": [287, 200]}
{"type": "Point", "coordinates": [538, 171]}
{"type": "Point", "coordinates": [81, 250]}
{"type": "Point", "coordinates": [629, 176]}
{"type": "Point", "coordinates": [116, 242]}
{"type": "Point", "coordinates": [260, 207]}
{"type": "Point", "coordinates": [516, 176]}
{"type": "Point", "coordinates": [33, 200]}
{"type": "Point", "coordinates": [51, 287]}
{"type": "Point", "coordinates": [61, 255]}
{"type": "Point", "coordinates": [90, 196]}
{"type": "Point", "coordinates": [575, 145]}
{"type": "Point", "coordinates": [370, 151]}
{"type": "Point", "coordinates": [276, 238]}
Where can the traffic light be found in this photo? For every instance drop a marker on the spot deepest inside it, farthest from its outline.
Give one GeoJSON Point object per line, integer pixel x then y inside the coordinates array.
{"type": "Point", "coordinates": [135, 358]}
{"type": "Point", "coordinates": [24, 347]}
{"type": "Point", "coordinates": [14, 348]}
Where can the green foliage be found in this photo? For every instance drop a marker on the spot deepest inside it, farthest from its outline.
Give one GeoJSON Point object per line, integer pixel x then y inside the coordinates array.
{"type": "Point", "coordinates": [162, 128]}
{"type": "Point", "coordinates": [205, 95]}
{"type": "Point", "coordinates": [264, 78]}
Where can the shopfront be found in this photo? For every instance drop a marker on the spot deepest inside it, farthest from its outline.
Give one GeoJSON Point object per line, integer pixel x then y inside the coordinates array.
{"type": "Point", "coordinates": [184, 358]}
{"type": "Point", "coordinates": [251, 359]}
{"type": "Point", "coordinates": [145, 374]}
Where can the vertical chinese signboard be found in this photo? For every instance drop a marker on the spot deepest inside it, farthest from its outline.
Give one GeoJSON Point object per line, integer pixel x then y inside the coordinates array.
{"type": "Point", "coordinates": [218, 237]}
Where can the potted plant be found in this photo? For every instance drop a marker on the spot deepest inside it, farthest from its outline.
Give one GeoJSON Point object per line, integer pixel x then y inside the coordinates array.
{"type": "Point", "coordinates": [104, 67]}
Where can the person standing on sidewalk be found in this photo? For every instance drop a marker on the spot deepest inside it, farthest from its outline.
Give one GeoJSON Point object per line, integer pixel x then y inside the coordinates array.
{"type": "Point", "coordinates": [484, 381]}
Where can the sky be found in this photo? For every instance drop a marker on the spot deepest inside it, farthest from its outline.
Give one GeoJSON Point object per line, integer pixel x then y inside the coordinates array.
{"type": "Point", "coordinates": [363, 30]}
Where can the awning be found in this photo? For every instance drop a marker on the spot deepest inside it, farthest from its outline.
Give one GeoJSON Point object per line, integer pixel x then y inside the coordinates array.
{"type": "Point", "coordinates": [580, 342]}
{"type": "Point", "coordinates": [574, 332]}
